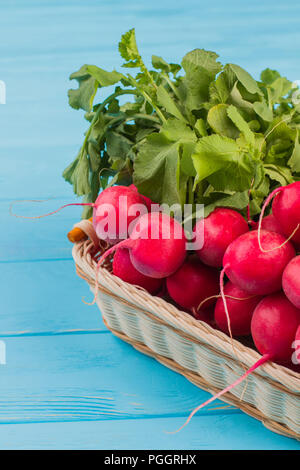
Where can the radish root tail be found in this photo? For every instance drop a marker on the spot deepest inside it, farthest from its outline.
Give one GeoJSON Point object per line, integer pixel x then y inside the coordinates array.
{"type": "Point", "coordinates": [218, 296]}
{"type": "Point", "coordinates": [49, 213]}
{"type": "Point", "coordinates": [261, 361]}
{"type": "Point", "coordinates": [222, 274]}
{"type": "Point", "coordinates": [225, 304]}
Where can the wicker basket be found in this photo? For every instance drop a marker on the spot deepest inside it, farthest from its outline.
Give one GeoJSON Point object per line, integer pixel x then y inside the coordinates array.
{"type": "Point", "coordinates": [194, 349]}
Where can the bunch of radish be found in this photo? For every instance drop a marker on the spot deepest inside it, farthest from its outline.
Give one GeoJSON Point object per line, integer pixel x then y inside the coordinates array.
{"type": "Point", "coordinates": [261, 296]}
{"type": "Point", "coordinates": [262, 293]}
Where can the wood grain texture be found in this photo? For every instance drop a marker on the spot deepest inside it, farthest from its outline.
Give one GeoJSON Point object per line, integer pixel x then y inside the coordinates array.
{"type": "Point", "coordinates": [89, 377]}
{"type": "Point", "coordinates": [66, 385]}
{"type": "Point", "coordinates": [204, 433]}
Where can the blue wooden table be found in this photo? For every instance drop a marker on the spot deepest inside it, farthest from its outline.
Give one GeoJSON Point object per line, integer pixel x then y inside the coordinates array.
{"type": "Point", "coordinates": [67, 382]}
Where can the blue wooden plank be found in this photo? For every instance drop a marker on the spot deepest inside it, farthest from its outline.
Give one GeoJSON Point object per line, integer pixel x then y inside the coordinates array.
{"type": "Point", "coordinates": [99, 378]}
{"type": "Point", "coordinates": [87, 377]}
{"type": "Point", "coordinates": [237, 31]}
{"type": "Point", "coordinates": [37, 239]}
{"type": "Point", "coordinates": [204, 433]}
{"type": "Point", "coordinates": [44, 297]}
{"type": "Point", "coordinates": [26, 172]}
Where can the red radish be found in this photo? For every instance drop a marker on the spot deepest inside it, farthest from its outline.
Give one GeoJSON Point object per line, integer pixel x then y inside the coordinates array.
{"type": "Point", "coordinates": [124, 269]}
{"type": "Point", "coordinates": [192, 283]}
{"type": "Point", "coordinates": [156, 245]}
{"type": "Point", "coordinates": [255, 271]}
{"type": "Point", "coordinates": [286, 209]}
{"type": "Point", "coordinates": [148, 201]}
{"type": "Point", "coordinates": [220, 228]}
{"type": "Point", "coordinates": [114, 210]}
{"type": "Point", "coordinates": [240, 307]}
{"type": "Point", "coordinates": [273, 326]}
{"type": "Point", "coordinates": [297, 346]}
{"type": "Point", "coordinates": [291, 281]}
{"type": "Point", "coordinates": [271, 224]}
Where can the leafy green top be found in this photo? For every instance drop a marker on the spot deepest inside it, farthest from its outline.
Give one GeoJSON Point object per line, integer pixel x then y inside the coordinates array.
{"type": "Point", "coordinates": [211, 134]}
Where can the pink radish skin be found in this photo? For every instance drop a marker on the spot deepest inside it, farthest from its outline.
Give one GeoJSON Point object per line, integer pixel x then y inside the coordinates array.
{"type": "Point", "coordinates": [257, 272]}
{"type": "Point", "coordinates": [220, 228]}
{"type": "Point", "coordinates": [274, 324]}
{"type": "Point", "coordinates": [192, 283]}
{"type": "Point", "coordinates": [273, 327]}
{"type": "Point", "coordinates": [297, 344]}
{"type": "Point", "coordinates": [158, 257]}
{"type": "Point", "coordinates": [286, 209]}
{"type": "Point", "coordinates": [271, 224]}
{"type": "Point", "coordinates": [291, 281]}
{"type": "Point", "coordinates": [124, 269]}
{"type": "Point", "coordinates": [112, 197]}
{"type": "Point", "coordinates": [240, 311]}
{"type": "Point", "coordinates": [156, 245]}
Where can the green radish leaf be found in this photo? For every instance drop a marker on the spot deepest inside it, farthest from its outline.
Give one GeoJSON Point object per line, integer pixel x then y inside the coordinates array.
{"type": "Point", "coordinates": [200, 127]}
{"type": "Point", "coordinates": [186, 164]}
{"type": "Point", "coordinates": [279, 88]}
{"type": "Point", "coordinates": [219, 89]}
{"type": "Point", "coordinates": [279, 129]}
{"type": "Point", "coordinates": [201, 68]}
{"type": "Point", "coordinates": [237, 100]}
{"type": "Point", "coordinates": [206, 60]}
{"type": "Point", "coordinates": [168, 103]}
{"type": "Point", "coordinates": [280, 174]}
{"type": "Point", "coordinates": [220, 123]}
{"type": "Point", "coordinates": [80, 177]}
{"type": "Point", "coordinates": [261, 108]}
{"type": "Point", "coordinates": [240, 123]}
{"type": "Point", "coordinates": [103, 77]}
{"type": "Point", "coordinates": [176, 130]}
{"type": "Point", "coordinates": [117, 145]}
{"type": "Point", "coordinates": [246, 80]}
{"type": "Point", "coordinates": [269, 76]}
{"type": "Point", "coordinates": [215, 153]}
{"type": "Point", "coordinates": [129, 50]}
{"type": "Point", "coordinates": [160, 64]}
{"type": "Point", "coordinates": [294, 161]}
{"type": "Point", "coordinates": [157, 161]}
{"type": "Point", "coordinates": [236, 176]}
{"type": "Point", "coordinates": [94, 154]}
{"type": "Point", "coordinates": [83, 96]}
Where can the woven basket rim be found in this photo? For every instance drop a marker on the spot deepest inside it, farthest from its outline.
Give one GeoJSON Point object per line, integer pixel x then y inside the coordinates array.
{"type": "Point", "coordinates": [84, 256]}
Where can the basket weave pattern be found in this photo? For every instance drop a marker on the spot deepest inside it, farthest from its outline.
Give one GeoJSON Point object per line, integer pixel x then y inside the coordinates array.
{"type": "Point", "coordinates": [194, 349]}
